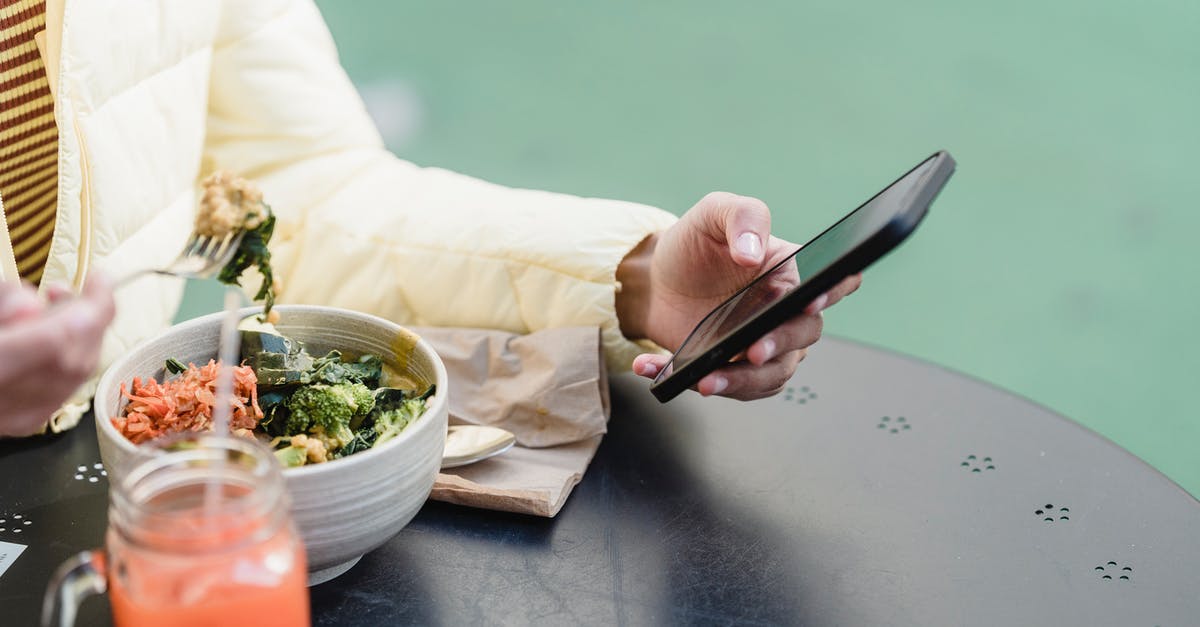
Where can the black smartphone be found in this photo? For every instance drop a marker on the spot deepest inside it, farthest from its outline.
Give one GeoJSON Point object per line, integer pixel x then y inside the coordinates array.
{"type": "Point", "coordinates": [848, 247]}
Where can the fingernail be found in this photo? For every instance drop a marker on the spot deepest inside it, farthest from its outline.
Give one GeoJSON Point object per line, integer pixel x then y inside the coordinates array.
{"type": "Point", "coordinates": [648, 369]}
{"type": "Point", "coordinates": [749, 245]}
{"type": "Point", "coordinates": [768, 349]}
{"type": "Point", "coordinates": [819, 304]}
{"type": "Point", "coordinates": [719, 385]}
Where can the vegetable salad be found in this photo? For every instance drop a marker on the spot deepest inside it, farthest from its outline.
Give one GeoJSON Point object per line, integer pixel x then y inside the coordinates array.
{"type": "Point", "coordinates": [309, 409]}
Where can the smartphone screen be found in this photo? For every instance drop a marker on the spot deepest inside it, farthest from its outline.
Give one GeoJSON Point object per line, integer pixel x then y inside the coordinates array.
{"type": "Point", "coordinates": [810, 260]}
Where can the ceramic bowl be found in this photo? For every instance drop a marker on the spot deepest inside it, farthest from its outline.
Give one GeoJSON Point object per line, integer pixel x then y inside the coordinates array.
{"type": "Point", "coordinates": [342, 508]}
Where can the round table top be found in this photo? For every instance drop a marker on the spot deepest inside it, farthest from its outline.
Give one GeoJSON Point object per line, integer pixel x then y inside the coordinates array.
{"type": "Point", "coordinates": [877, 489]}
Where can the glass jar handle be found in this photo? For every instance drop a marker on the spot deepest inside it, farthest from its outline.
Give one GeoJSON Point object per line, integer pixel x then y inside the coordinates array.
{"type": "Point", "coordinates": [76, 579]}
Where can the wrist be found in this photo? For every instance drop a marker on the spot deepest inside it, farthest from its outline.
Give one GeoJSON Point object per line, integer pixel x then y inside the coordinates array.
{"type": "Point", "coordinates": [633, 289]}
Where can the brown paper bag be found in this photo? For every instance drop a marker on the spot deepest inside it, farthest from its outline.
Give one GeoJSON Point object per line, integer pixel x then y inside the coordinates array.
{"type": "Point", "coordinates": [549, 388]}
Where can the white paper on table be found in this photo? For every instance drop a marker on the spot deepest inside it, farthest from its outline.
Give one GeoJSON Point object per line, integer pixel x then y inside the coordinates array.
{"type": "Point", "coordinates": [9, 553]}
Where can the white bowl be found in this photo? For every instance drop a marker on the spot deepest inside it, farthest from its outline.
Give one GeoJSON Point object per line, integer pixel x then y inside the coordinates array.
{"type": "Point", "coordinates": [342, 508]}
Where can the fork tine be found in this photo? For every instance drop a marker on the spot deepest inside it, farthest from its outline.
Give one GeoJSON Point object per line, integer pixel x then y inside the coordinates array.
{"type": "Point", "coordinates": [210, 246]}
{"type": "Point", "coordinates": [202, 257]}
{"type": "Point", "coordinates": [220, 253]}
{"type": "Point", "coordinates": [223, 248]}
{"type": "Point", "coordinates": [194, 244]}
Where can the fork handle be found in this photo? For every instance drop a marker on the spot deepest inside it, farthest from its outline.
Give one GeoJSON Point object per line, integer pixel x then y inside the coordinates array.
{"type": "Point", "coordinates": [128, 278]}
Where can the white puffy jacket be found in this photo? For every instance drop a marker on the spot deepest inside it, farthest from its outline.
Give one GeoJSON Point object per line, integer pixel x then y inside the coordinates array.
{"type": "Point", "coordinates": [152, 95]}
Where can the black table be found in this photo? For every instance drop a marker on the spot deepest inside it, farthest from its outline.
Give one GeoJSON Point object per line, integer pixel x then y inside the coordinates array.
{"type": "Point", "coordinates": [876, 490]}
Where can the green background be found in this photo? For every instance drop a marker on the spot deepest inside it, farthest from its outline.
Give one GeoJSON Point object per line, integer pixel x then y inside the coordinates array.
{"type": "Point", "coordinates": [1058, 263]}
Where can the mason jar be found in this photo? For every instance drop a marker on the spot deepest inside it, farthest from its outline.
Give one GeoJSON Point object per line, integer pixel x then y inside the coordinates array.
{"type": "Point", "coordinates": [199, 533]}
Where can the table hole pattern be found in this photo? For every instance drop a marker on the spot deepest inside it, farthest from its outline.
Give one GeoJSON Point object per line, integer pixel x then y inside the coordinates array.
{"type": "Point", "coordinates": [14, 523]}
{"type": "Point", "coordinates": [1111, 571]}
{"type": "Point", "coordinates": [800, 395]}
{"type": "Point", "coordinates": [1049, 514]}
{"type": "Point", "coordinates": [91, 474]}
{"type": "Point", "coordinates": [977, 464]}
{"type": "Point", "coordinates": [897, 425]}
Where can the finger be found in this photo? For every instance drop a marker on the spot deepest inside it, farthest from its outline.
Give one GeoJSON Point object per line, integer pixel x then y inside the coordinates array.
{"type": "Point", "coordinates": [57, 293]}
{"type": "Point", "coordinates": [799, 332]}
{"type": "Point", "coordinates": [98, 290]}
{"type": "Point", "coordinates": [817, 306]}
{"type": "Point", "coordinates": [31, 398]}
{"type": "Point", "coordinates": [839, 291]}
{"type": "Point", "coordinates": [649, 364]}
{"type": "Point", "coordinates": [23, 423]}
{"type": "Point", "coordinates": [84, 323]}
{"type": "Point", "coordinates": [66, 338]}
{"type": "Point", "coordinates": [18, 302]}
{"type": "Point", "coordinates": [35, 344]}
{"type": "Point", "coordinates": [746, 381]}
{"type": "Point", "coordinates": [843, 289]}
{"type": "Point", "coordinates": [744, 222]}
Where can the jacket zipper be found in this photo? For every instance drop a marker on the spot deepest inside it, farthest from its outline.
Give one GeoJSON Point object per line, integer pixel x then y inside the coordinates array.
{"type": "Point", "coordinates": [85, 209]}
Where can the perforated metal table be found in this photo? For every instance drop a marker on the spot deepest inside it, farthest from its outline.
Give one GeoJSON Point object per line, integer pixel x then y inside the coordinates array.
{"type": "Point", "coordinates": [876, 490]}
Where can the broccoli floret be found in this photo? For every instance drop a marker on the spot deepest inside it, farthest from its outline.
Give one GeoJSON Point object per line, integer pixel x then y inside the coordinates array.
{"type": "Point", "coordinates": [327, 410]}
{"type": "Point", "coordinates": [394, 410]}
{"type": "Point", "coordinates": [389, 423]}
{"type": "Point", "coordinates": [334, 438]}
{"type": "Point", "coordinates": [296, 422]}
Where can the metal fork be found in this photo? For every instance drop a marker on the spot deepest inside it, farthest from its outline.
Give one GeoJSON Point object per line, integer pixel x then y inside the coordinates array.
{"type": "Point", "coordinates": [203, 257]}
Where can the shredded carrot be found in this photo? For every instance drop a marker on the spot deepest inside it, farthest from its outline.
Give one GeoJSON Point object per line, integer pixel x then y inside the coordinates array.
{"type": "Point", "coordinates": [186, 402]}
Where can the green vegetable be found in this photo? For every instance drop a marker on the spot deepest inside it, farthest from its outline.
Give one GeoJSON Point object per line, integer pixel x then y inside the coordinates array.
{"type": "Point", "coordinates": [274, 369]}
{"type": "Point", "coordinates": [331, 369]}
{"type": "Point", "coordinates": [174, 366]}
{"type": "Point", "coordinates": [394, 410]}
{"type": "Point", "coordinates": [325, 411]}
{"type": "Point", "coordinates": [279, 361]}
{"type": "Point", "coordinates": [253, 251]}
{"type": "Point", "coordinates": [291, 456]}
{"type": "Point", "coordinates": [325, 398]}
{"type": "Point", "coordinates": [275, 412]}
{"type": "Point", "coordinates": [262, 340]}
{"type": "Point", "coordinates": [364, 437]}
{"type": "Point", "coordinates": [390, 423]}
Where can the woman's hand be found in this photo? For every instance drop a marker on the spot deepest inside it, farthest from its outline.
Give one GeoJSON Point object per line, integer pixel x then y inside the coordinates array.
{"type": "Point", "coordinates": [675, 278]}
{"type": "Point", "coordinates": [48, 350]}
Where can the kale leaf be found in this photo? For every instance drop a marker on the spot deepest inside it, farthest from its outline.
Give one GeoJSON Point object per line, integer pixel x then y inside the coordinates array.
{"type": "Point", "coordinates": [253, 251]}
{"type": "Point", "coordinates": [331, 369]}
{"type": "Point", "coordinates": [276, 414]}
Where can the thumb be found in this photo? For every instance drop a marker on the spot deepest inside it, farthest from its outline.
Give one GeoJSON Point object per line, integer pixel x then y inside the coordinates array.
{"type": "Point", "coordinates": [744, 222]}
{"type": "Point", "coordinates": [648, 364]}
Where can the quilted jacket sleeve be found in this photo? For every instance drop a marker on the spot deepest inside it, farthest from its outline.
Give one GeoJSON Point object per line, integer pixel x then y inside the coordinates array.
{"type": "Point", "coordinates": [361, 228]}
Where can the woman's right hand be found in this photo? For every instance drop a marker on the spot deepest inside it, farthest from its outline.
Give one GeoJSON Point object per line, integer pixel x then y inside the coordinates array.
{"type": "Point", "coordinates": [48, 349]}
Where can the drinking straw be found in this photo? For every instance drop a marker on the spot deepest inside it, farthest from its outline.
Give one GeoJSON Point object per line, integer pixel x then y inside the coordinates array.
{"type": "Point", "coordinates": [227, 356]}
